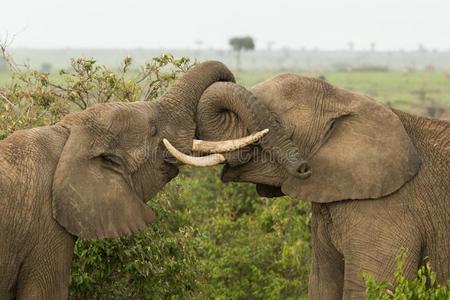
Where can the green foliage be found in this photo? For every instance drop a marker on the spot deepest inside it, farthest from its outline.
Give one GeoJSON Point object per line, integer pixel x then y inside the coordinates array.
{"type": "Point", "coordinates": [423, 287]}
{"type": "Point", "coordinates": [158, 263]}
{"type": "Point", "coordinates": [34, 98]}
{"type": "Point", "coordinates": [210, 242]}
{"type": "Point", "coordinates": [255, 248]}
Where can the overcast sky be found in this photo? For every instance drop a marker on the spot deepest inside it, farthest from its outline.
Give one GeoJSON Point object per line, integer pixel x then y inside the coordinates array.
{"type": "Point", "coordinates": [323, 24]}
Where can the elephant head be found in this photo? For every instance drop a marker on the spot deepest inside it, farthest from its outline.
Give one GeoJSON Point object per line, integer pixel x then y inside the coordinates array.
{"type": "Point", "coordinates": [114, 159]}
{"type": "Point", "coordinates": [356, 148]}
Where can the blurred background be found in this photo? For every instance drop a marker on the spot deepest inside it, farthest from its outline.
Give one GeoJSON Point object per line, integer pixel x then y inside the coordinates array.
{"type": "Point", "coordinates": [212, 241]}
{"type": "Point", "coordinates": [395, 51]}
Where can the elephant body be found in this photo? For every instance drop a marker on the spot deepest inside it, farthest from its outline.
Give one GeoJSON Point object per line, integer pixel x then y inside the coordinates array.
{"type": "Point", "coordinates": [35, 251]}
{"type": "Point", "coordinates": [378, 178]}
{"type": "Point", "coordinates": [365, 235]}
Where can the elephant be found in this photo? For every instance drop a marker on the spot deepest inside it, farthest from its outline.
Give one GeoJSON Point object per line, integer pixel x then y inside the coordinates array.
{"type": "Point", "coordinates": [89, 176]}
{"type": "Point", "coordinates": [378, 179]}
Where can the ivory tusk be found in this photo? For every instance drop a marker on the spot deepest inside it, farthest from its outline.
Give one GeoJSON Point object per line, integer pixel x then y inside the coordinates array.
{"type": "Point", "coordinates": [202, 161]}
{"type": "Point", "coordinates": [226, 146]}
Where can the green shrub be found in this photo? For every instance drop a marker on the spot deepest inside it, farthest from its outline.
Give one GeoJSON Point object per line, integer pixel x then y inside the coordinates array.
{"type": "Point", "coordinates": [211, 241]}
{"type": "Point", "coordinates": [423, 287]}
{"type": "Point", "coordinates": [36, 98]}
{"type": "Point", "coordinates": [253, 247]}
{"type": "Point", "coordinates": [160, 262]}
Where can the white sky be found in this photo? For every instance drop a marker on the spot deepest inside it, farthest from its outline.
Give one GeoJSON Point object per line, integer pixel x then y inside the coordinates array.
{"type": "Point", "coordinates": [325, 24]}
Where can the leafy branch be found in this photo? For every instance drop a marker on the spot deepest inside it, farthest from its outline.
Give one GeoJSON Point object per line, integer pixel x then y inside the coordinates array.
{"type": "Point", "coordinates": [34, 98]}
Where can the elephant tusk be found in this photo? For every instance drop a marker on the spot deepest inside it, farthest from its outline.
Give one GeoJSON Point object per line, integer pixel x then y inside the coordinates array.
{"type": "Point", "coordinates": [203, 161]}
{"type": "Point", "coordinates": [226, 146]}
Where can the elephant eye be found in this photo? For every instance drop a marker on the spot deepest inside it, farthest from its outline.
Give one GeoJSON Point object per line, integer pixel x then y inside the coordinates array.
{"type": "Point", "coordinates": [332, 125]}
{"type": "Point", "coordinates": [329, 130]}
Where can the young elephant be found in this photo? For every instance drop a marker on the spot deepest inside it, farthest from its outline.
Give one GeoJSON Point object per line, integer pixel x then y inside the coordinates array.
{"type": "Point", "coordinates": [90, 176]}
{"type": "Point", "coordinates": [379, 178]}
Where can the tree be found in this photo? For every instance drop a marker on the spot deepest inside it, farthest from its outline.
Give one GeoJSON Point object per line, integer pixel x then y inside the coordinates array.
{"type": "Point", "coordinates": [241, 43]}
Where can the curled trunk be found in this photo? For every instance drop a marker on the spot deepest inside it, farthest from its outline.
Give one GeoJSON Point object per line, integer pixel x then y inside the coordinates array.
{"type": "Point", "coordinates": [187, 90]}
{"type": "Point", "coordinates": [227, 110]}
{"type": "Point", "coordinates": [178, 106]}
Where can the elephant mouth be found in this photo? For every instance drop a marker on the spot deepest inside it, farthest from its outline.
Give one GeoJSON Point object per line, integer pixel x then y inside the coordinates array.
{"type": "Point", "coordinates": [229, 173]}
{"type": "Point", "coordinates": [269, 191]}
{"type": "Point", "coordinates": [234, 173]}
{"type": "Point", "coordinates": [170, 170]}
{"type": "Point", "coordinates": [169, 166]}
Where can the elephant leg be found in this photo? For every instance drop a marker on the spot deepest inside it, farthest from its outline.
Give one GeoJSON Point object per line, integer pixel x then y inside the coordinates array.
{"type": "Point", "coordinates": [438, 243]}
{"type": "Point", "coordinates": [9, 269]}
{"type": "Point", "coordinates": [8, 274]}
{"type": "Point", "coordinates": [326, 280]}
{"type": "Point", "coordinates": [45, 272]}
{"type": "Point", "coordinates": [438, 251]}
{"type": "Point", "coordinates": [379, 262]}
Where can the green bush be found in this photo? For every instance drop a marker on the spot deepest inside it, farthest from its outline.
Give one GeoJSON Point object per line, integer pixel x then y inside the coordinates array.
{"type": "Point", "coordinates": [252, 247]}
{"type": "Point", "coordinates": [210, 241]}
{"type": "Point", "coordinates": [423, 287]}
{"type": "Point", "coordinates": [160, 262]}
{"type": "Point", "coordinates": [36, 98]}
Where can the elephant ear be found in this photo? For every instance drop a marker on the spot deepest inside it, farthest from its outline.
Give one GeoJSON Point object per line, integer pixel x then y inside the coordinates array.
{"type": "Point", "coordinates": [92, 197]}
{"type": "Point", "coordinates": [364, 153]}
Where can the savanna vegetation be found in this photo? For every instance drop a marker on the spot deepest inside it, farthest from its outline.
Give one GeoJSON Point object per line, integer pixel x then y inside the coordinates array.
{"type": "Point", "coordinates": [211, 240]}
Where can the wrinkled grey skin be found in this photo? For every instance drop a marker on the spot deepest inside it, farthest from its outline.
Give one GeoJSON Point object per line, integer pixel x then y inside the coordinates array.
{"type": "Point", "coordinates": [380, 178]}
{"type": "Point", "coordinates": [88, 176]}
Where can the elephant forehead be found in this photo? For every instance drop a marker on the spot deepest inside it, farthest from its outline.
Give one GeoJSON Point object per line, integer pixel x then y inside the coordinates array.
{"type": "Point", "coordinates": [293, 113]}
{"type": "Point", "coordinates": [122, 129]}
{"type": "Point", "coordinates": [122, 117]}
{"type": "Point", "coordinates": [292, 89]}
{"type": "Point", "coordinates": [274, 100]}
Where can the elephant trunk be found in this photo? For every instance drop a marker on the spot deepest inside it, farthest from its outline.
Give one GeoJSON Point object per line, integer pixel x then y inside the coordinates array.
{"type": "Point", "coordinates": [181, 100]}
{"type": "Point", "coordinates": [228, 110]}
{"type": "Point", "coordinates": [185, 93]}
